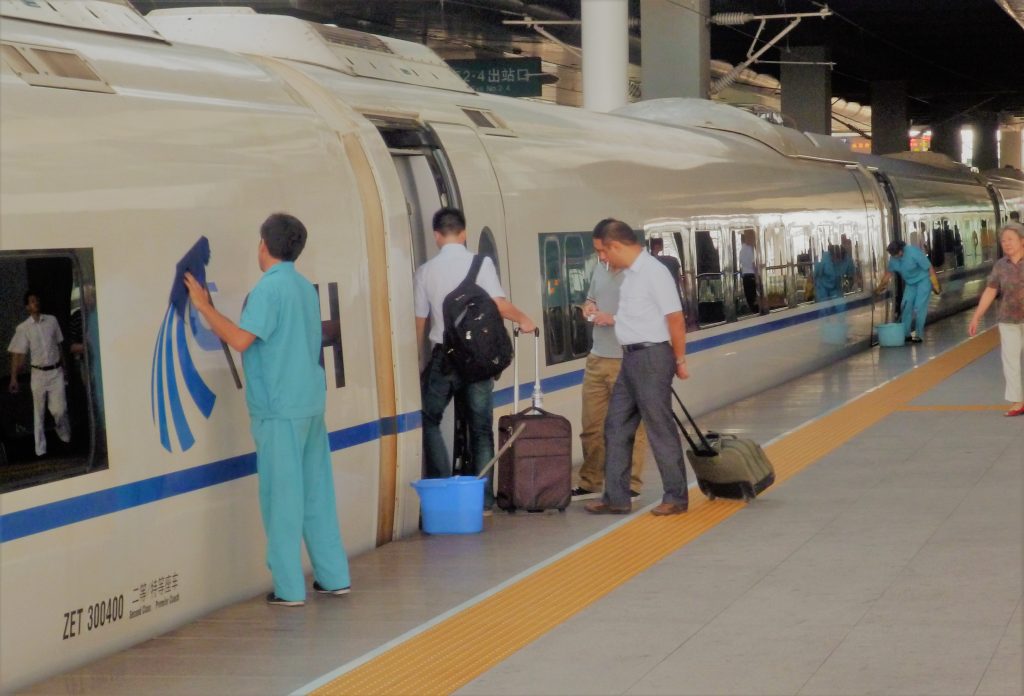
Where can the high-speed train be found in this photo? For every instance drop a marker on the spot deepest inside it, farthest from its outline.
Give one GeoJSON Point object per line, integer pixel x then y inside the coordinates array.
{"type": "Point", "coordinates": [132, 147]}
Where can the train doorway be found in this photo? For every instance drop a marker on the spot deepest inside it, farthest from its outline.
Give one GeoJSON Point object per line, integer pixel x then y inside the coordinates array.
{"type": "Point", "coordinates": [426, 177]}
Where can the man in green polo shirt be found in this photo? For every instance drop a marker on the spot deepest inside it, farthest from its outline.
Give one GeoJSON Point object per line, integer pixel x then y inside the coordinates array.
{"type": "Point", "coordinates": [279, 338]}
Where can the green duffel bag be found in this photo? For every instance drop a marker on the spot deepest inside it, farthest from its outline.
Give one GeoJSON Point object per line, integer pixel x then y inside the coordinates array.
{"type": "Point", "coordinates": [726, 466]}
{"type": "Point", "coordinates": [739, 468]}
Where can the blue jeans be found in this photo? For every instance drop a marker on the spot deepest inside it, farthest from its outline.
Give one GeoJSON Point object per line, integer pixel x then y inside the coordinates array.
{"type": "Point", "coordinates": [440, 384]}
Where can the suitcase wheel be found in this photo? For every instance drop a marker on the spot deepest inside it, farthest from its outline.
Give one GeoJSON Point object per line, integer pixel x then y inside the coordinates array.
{"type": "Point", "coordinates": [748, 493]}
{"type": "Point", "coordinates": [561, 509]}
{"type": "Point", "coordinates": [706, 490]}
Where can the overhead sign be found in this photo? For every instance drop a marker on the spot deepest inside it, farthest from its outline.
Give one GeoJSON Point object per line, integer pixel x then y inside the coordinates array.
{"type": "Point", "coordinates": [511, 77]}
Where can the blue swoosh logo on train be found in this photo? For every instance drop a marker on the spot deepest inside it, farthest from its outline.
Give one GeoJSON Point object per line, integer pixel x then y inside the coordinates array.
{"type": "Point", "coordinates": [165, 393]}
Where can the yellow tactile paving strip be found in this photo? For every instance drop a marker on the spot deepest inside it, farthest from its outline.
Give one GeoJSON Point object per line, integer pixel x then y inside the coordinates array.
{"type": "Point", "coordinates": [437, 661]}
{"type": "Point", "coordinates": [953, 407]}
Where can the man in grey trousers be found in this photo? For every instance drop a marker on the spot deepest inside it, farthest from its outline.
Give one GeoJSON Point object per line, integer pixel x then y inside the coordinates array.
{"type": "Point", "coordinates": [650, 327]}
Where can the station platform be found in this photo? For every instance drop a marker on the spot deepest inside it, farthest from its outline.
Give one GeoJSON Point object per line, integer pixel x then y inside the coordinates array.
{"type": "Point", "coordinates": [888, 558]}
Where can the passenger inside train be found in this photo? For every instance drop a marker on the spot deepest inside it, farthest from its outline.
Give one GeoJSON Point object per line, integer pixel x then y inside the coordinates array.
{"type": "Point", "coordinates": [51, 409]}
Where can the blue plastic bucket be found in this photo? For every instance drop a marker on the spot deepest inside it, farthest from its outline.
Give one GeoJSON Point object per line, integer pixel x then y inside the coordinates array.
{"type": "Point", "coordinates": [890, 335]}
{"type": "Point", "coordinates": [452, 505]}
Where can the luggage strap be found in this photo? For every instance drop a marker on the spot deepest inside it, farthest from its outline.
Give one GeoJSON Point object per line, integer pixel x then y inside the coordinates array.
{"type": "Point", "coordinates": [704, 449]}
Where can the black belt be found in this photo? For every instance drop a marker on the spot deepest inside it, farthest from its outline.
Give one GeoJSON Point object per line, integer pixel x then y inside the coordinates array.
{"type": "Point", "coordinates": [630, 347]}
{"type": "Point", "coordinates": [44, 368]}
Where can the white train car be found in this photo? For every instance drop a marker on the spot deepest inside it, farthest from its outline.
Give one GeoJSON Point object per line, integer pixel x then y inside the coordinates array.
{"type": "Point", "coordinates": [131, 144]}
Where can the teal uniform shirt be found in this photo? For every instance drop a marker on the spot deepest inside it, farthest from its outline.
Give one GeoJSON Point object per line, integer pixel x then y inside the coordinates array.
{"type": "Point", "coordinates": [283, 375]}
{"type": "Point", "coordinates": [912, 266]}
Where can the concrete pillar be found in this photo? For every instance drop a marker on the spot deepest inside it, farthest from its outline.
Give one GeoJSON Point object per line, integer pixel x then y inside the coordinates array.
{"type": "Point", "coordinates": [985, 125]}
{"type": "Point", "coordinates": [807, 89]}
{"type": "Point", "coordinates": [605, 53]}
{"type": "Point", "coordinates": [889, 122]}
{"type": "Point", "coordinates": [1010, 149]}
{"type": "Point", "coordinates": [675, 48]}
{"type": "Point", "coordinates": [946, 139]}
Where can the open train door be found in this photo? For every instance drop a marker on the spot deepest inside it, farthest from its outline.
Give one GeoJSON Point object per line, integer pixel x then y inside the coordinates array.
{"type": "Point", "coordinates": [478, 193]}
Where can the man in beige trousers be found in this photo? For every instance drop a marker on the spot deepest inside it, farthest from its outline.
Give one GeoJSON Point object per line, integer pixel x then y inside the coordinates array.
{"type": "Point", "coordinates": [599, 377]}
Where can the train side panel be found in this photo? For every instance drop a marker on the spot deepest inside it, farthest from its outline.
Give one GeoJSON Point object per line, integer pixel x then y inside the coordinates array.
{"type": "Point", "coordinates": [100, 561]}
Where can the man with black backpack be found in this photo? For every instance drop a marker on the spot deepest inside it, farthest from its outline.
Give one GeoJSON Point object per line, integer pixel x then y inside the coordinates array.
{"type": "Point", "coordinates": [459, 297]}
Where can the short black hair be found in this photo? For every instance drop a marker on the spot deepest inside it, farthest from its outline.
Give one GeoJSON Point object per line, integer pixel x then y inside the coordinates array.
{"type": "Point", "coordinates": [1014, 215]}
{"type": "Point", "coordinates": [284, 235]}
{"type": "Point", "coordinates": [618, 231]}
{"type": "Point", "coordinates": [600, 227]}
{"type": "Point", "coordinates": [30, 293]}
{"type": "Point", "coordinates": [657, 242]}
{"type": "Point", "coordinates": [896, 247]}
{"type": "Point", "coordinates": [449, 221]}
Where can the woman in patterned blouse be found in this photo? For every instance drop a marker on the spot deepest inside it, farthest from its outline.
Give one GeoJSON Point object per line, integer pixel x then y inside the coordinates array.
{"type": "Point", "coordinates": [1007, 277]}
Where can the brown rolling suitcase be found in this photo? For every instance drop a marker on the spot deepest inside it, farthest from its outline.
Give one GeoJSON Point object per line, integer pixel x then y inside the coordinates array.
{"type": "Point", "coordinates": [535, 473]}
{"type": "Point", "coordinates": [726, 466]}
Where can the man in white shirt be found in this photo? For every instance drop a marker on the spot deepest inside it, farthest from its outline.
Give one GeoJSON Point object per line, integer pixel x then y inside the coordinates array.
{"type": "Point", "coordinates": [650, 328]}
{"type": "Point", "coordinates": [434, 281]}
{"type": "Point", "coordinates": [39, 337]}
{"type": "Point", "coordinates": [599, 377]}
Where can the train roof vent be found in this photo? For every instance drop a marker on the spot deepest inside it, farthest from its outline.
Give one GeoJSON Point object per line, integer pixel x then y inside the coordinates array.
{"type": "Point", "coordinates": [487, 121]}
{"type": "Point", "coordinates": [353, 39]}
{"type": "Point", "coordinates": [242, 30]}
{"type": "Point", "coordinates": [111, 16]}
{"type": "Point", "coordinates": [702, 113]}
{"type": "Point", "coordinates": [52, 67]}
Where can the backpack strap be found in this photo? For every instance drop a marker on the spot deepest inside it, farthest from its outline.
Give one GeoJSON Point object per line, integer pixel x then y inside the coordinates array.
{"type": "Point", "coordinates": [474, 268]}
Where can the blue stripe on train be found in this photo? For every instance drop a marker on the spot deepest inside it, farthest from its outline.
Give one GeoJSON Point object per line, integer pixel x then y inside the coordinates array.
{"type": "Point", "coordinates": [41, 518]}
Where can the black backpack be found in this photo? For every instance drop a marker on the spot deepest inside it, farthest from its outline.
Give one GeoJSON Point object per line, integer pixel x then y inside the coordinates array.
{"type": "Point", "coordinates": [475, 340]}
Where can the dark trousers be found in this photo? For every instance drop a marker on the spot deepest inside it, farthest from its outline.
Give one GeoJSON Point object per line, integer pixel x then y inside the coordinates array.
{"type": "Point", "coordinates": [643, 392]}
{"type": "Point", "coordinates": [440, 384]}
{"type": "Point", "coordinates": [750, 290]}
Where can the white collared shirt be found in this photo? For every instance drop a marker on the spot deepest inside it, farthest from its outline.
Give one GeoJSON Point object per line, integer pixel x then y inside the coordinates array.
{"type": "Point", "coordinates": [746, 260]}
{"type": "Point", "coordinates": [440, 275]}
{"type": "Point", "coordinates": [40, 339]}
{"type": "Point", "coordinates": [647, 295]}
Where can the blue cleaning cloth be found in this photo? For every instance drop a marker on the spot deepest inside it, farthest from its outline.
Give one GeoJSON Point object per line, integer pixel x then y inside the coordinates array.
{"type": "Point", "coordinates": [194, 261]}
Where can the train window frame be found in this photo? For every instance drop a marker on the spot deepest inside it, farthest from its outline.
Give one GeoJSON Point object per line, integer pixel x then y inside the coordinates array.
{"type": "Point", "coordinates": [716, 295]}
{"type": "Point", "coordinates": [565, 281]}
{"type": "Point", "coordinates": [737, 233]}
{"type": "Point", "coordinates": [777, 263]}
{"type": "Point", "coordinates": [52, 273]}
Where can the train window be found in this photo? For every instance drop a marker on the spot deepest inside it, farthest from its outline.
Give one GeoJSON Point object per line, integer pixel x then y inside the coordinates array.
{"type": "Point", "coordinates": [834, 271]}
{"type": "Point", "coordinates": [488, 248]}
{"type": "Point", "coordinates": [554, 299]}
{"type": "Point", "coordinates": [806, 256]}
{"type": "Point", "coordinates": [937, 247]}
{"type": "Point", "coordinates": [986, 242]}
{"type": "Point", "coordinates": [710, 281]}
{"type": "Point", "coordinates": [745, 266]}
{"type": "Point", "coordinates": [52, 423]}
{"type": "Point", "coordinates": [852, 249]}
{"type": "Point", "coordinates": [567, 262]}
{"type": "Point", "coordinates": [577, 278]}
{"type": "Point", "coordinates": [775, 255]}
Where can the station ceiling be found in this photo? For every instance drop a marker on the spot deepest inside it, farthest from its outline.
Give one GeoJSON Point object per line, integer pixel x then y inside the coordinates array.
{"type": "Point", "coordinates": [957, 57]}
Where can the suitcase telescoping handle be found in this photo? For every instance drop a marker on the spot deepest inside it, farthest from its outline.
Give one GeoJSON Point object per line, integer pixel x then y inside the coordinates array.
{"type": "Point", "coordinates": [537, 400]}
{"type": "Point", "coordinates": [705, 449]}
